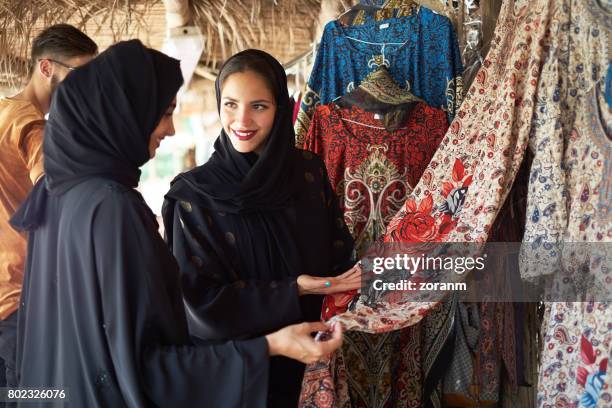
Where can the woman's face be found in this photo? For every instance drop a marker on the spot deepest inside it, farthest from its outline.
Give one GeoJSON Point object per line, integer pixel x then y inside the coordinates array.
{"type": "Point", "coordinates": [247, 111]}
{"type": "Point", "coordinates": [164, 128]}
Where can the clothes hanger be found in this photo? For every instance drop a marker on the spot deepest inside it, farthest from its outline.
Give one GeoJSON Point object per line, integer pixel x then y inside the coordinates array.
{"type": "Point", "coordinates": [371, 126]}
{"type": "Point", "coordinates": [394, 5]}
{"type": "Point", "coordinates": [379, 93]}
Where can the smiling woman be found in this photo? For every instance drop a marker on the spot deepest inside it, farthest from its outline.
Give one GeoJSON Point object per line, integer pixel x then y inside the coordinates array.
{"type": "Point", "coordinates": [164, 128]}
{"type": "Point", "coordinates": [247, 111]}
{"type": "Point", "coordinates": [257, 230]}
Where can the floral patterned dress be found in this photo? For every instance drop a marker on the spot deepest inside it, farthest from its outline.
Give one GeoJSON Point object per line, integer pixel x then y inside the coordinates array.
{"type": "Point", "coordinates": [371, 169]}
{"type": "Point", "coordinates": [538, 85]}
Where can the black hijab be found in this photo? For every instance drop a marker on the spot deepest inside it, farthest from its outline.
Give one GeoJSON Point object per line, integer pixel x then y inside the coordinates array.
{"type": "Point", "coordinates": [240, 183]}
{"type": "Point", "coordinates": [101, 118]}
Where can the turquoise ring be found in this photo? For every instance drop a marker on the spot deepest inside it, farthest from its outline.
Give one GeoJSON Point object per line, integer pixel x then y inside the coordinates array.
{"type": "Point", "coordinates": [327, 284]}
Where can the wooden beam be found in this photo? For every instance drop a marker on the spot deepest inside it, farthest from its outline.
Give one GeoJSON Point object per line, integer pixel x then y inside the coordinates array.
{"type": "Point", "coordinates": [205, 73]}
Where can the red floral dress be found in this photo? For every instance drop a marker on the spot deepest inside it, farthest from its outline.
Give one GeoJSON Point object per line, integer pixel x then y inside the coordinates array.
{"type": "Point", "coordinates": [373, 170]}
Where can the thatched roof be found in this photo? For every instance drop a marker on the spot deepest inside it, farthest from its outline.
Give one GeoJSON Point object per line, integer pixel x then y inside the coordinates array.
{"type": "Point", "coordinates": [284, 27]}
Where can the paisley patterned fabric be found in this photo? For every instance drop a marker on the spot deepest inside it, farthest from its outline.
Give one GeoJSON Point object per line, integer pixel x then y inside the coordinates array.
{"type": "Point", "coordinates": [574, 127]}
{"type": "Point", "coordinates": [569, 196]}
{"type": "Point", "coordinates": [396, 8]}
{"type": "Point", "coordinates": [577, 342]}
{"type": "Point", "coordinates": [543, 85]}
{"type": "Point", "coordinates": [379, 93]}
{"type": "Point", "coordinates": [380, 85]}
{"type": "Point", "coordinates": [371, 169]}
{"type": "Point", "coordinates": [420, 51]}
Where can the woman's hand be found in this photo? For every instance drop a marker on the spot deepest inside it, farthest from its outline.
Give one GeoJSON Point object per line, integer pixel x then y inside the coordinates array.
{"type": "Point", "coordinates": [296, 342]}
{"type": "Point", "coordinates": [313, 285]}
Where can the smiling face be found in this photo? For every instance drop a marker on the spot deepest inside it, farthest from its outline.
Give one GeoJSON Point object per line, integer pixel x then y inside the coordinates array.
{"type": "Point", "coordinates": [247, 112]}
{"type": "Point", "coordinates": [164, 128]}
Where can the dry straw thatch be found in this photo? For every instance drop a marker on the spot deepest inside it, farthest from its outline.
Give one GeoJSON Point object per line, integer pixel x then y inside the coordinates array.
{"type": "Point", "coordinates": [283, 27]}
{"type": "Point", "coordinates": [105, 20]}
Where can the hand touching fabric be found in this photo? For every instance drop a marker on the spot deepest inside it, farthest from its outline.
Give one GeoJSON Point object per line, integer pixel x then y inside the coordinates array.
{"type": "Point", "coordinates": [296, 342]}
{"type": "Point", "coordinates": [312, 285]}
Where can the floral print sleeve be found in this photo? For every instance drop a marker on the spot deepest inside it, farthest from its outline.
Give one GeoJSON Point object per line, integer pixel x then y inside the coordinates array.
{"type": "Point", "coordinates": [545, 69]}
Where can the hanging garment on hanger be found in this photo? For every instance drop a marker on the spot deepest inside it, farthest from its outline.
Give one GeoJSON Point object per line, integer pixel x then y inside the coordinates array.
{"type": "Point", "coordinates": [572, 202]}
{"type": "Point", "coordinates": [459, 382]}
{"type": "Point", "coordinates": [409, 358]}
{"type": "Point", "coordinates": [378, 11]}
{"type": "Point", "coordinates": [379, 93]}
{"type": "Point", "coordinates": [371, 169]}
{"type": "Point", "coordinates": [477, 373]}
{"type": "Point", "coordinates": [420, 49]}
{"type": "Point", "coordinates": [538, 86]}
{"type": "Point", "coordinates": [571, 105]}
{"type": "Point", "coordinates": [396, 8]}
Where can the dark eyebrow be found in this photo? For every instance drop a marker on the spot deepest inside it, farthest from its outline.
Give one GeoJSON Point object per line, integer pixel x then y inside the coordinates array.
{"type": "Point", "coordinates": [257, 101]}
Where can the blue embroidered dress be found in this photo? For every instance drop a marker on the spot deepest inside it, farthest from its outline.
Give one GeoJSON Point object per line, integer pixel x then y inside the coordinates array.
{"type": "Point", "coordinates": [420, 50]}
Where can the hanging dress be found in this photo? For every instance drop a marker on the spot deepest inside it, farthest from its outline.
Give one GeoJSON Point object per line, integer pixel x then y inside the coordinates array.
{"type": "Point", "coordinates": [420, 51]}
{"type": "Point", "coordinates": [546, 59]}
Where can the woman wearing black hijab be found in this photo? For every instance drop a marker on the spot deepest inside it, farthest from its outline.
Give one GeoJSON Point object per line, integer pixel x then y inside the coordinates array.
{"type": "Point", "coordinates": [102, 316]}
{"type": "Point", "coordinates": [256, 230]}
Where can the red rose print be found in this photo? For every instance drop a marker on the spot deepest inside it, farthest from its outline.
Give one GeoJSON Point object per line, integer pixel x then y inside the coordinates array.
{"type": "Point", "coordinates": [416, 227]}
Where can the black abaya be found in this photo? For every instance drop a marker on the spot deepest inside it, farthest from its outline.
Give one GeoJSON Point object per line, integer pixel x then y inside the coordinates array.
{"type": "Point", "coordinates": [102, 314]}
{"type": "Point", "coordinates": [239, 271]}
{"type": "Point", "coordinates": [244, 227]}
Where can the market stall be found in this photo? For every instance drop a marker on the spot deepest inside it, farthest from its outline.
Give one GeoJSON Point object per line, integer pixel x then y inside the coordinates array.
{"type": "Point", "coordinates": [438, 121]}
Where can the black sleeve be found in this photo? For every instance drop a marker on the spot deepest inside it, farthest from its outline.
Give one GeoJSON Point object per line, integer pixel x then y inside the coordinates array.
{"type": "Point", "coordinates": [219, 304]}
{"type": "Point", "coordinates": [145, 323]}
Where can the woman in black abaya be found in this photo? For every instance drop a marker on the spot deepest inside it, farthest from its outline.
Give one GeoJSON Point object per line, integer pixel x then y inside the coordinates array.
{"type": "Point", "coordinates": [102, 315]}
{"type": "Point", "coordinates": [256, 230]}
